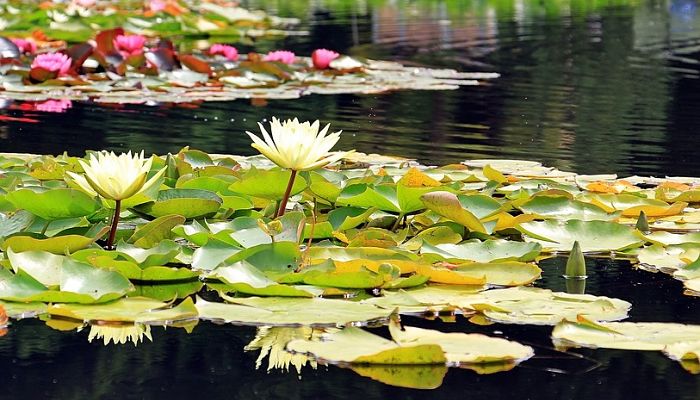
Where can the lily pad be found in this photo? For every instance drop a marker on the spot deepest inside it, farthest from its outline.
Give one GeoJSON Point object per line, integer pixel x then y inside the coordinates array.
{"type": "Point", "coordinates": [559, 207]}
{"type": "Point", "coordinates": [623, 335]}
{"type": "Point", "coordinates": [291, 311]}
{"type": "Point", "coordinates": [54, 203]}
{"type": "Point", "coordinates": [593, 236]}
{"type": "Point", "coordinates": [189, 203]}
{"type": "Point", "coordinates": [133, 309]}
{"type": "Point", "coordinates": [486, 251]}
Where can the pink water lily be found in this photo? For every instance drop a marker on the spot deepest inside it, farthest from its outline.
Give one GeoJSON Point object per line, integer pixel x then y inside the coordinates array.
{"type": "Point", "coordinates": [129, 45]}
{"type": "Point", "coordinates": [157, 5]}
{"type": "Point", "coordinates": [323, 57]}
{"type": "Point", "coordinates": [53, 62]}
{"type": "Point", "coordinates": [25, 46]}
{"type": "Point", "coordinates": [54, 106]}
{"type": "Point", "coordinates": [283, 56]}
{"type": "Point", "coordinates": [225, 50]}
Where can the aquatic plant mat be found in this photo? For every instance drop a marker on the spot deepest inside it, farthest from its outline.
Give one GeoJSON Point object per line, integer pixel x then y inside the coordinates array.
{"type": "Point", "coordinates": [363, 243]}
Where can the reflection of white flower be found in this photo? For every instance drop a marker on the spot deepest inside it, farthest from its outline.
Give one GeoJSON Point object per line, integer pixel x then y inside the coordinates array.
{"type": "Point", "coordinates": [272, 341]}
{"type": "Point", "coordinates": [297, 146]}
{"type": "Point", "coordinates": [115, 177]}
{"type": "Point", "coordinates": [120, 334]}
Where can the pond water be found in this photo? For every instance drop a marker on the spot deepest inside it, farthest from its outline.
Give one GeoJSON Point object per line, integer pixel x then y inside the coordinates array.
{"type": "Point", "coordinates": [592, 87]}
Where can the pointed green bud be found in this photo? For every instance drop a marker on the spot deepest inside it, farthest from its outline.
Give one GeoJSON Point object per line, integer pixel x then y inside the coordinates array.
{"type": "Point", "coordinates": [576, 264]}
{"type": "Point", "coordinates": [642, 223]}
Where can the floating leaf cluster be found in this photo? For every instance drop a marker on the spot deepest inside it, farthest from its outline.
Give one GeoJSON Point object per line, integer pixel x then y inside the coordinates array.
{"type": "Point", "coordinates": [362, 241]}
{"type": "Point", "coordinates": [121, 67]}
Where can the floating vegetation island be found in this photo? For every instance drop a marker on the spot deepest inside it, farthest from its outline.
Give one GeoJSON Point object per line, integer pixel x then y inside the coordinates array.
{"type": "Point", "coordinates": [362, 242]}
{"type": "Point", "coordinates": [120, 67]}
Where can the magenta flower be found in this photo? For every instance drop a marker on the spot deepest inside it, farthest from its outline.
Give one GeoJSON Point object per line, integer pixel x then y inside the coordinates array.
{"type": "Point", "coordinates": [53, 62]}
{"type": "Point", "coordinates": [283, 56]}
{"type": "Point", "coordinates": [156, 5]}
{"type": "Point", "coordinates": [25, 46]}
{"type": "Point", "coordinates": [225, 50]}
{"type": "Point", "coordinates": [129, 45]}
{"type": "Point", "coordinates": [54, 106]}
{"type": "Point", "coordinates": [322, 58]}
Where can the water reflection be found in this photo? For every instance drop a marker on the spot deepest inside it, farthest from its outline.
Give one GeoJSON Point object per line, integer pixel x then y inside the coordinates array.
{"type": "Point", "coordinates": [585, 87]}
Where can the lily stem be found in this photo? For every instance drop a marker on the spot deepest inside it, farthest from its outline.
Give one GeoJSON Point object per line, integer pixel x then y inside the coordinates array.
{"type": "Point", "coordinates": [287, 192]}
{"type": "Point", "coordinates": [115, 222]}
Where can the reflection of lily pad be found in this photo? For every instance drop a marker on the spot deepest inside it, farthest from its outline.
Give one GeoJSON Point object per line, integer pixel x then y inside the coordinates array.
{"type": "Point", "coordinates": [354, 345]}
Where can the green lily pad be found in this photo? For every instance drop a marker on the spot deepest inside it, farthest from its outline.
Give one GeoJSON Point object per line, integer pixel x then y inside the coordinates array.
{"type": "Point", "coordinates": [58, 244]}
{"type": "Point", "coordinates": [14, 222]}
{"type": "Point", "coordinates": [267, 184]}
{"type": "Point", "coordinates": [189, 203]}
{"type": "Point", "coordinates": [243, 278]}
{"type": "Point", "coordinates": [133, 309]}
{"type": "Point", "coordinates": [18, 310]}
{"type": "Point", "coordinates": [165, 291]}
{"type": "Point", "coordinates": [150, 234]}
{"type": "Point", "coordinates": [593, 236]}
{"type": "Point", "coordinates": [450, 206]}
{"type": "Point", "coordinates": [486, 251]}
{"type": "Point", "coordinates": [631, 205]}
{"type": "Point", "coordinates": [560, 207]}
{"type": "Point", "coordinates": [502, 273]}
{"type": "Point", "coordinates": [395, 198]}
{"type": "Point", "coordinates": [78, 283]}
{"type": "Point", "coordinates": [162, 254]}
{"type": "Point", "coordinates": [54, 203]}
{"type": "Point", "coordinates": [212, 254]}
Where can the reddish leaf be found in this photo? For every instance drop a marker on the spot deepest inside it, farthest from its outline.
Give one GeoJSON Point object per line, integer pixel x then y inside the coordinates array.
{"type": "Point", "coordinates": [195, 64]}
{"type": "Point", "coordinates": [79, 53]}
{"type": "Point", "coordinates": [41, 75]}
{"type": "Point", "coordinates": [105, 40]}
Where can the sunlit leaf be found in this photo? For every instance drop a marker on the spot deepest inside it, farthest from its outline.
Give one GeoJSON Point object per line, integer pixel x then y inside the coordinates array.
{"type": "Point", "coordinates": [290, 311]}
{"type": "Point", "coordinates": [591, 235]}
{"type": "Point", "coordinates": [486, 251]}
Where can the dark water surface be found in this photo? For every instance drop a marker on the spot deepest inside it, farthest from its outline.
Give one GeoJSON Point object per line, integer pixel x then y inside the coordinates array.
{"type": "Point", "coordinates": [588, 86]}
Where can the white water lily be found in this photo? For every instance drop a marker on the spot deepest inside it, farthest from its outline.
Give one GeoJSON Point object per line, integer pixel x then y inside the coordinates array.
{"type": "Point", "coordinates": [115, 177]}
{"type": "Point", "coordinates": [298, 146]}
